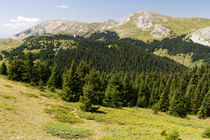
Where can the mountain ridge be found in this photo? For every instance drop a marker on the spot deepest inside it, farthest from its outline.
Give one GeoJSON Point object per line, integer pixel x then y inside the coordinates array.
{"type": "Point", "coordinates": [141, 25]}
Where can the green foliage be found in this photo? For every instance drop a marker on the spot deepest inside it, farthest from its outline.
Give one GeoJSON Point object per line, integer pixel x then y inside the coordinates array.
{"type": "Point", "coordinates": [92, 91]}
{"type": "Point", "coordinates": [3, 69]}
{"type": "Point", "coordinates": [172, 136]}
{"type": "Point", "coordinates": [8, 97]}
{"type": "Point", "coordinates": [204, 110]}
{"type": "Point", "coordinates": [163, 133]}
{"type": "Point", "coordinates": [177, 105]}
{"type": "Point", "coordinates": [65, 131]}
{"type": "Point", "coordinates": [41, 85]}
{"type": "Point", "coordinates": [31, 95]}
{"type": "Point", "coordinates": [62, 114]}
{"type": "Point", "coordinates": [114, 96]}
{"type": "Point", "coordinates": [47, 94]}
{"type": "Point", "coordinates": [206, 133]}
{"type": "Point", "coordinates": [72, 85]}
{"type": "Point", "coordinates": [55, 80]}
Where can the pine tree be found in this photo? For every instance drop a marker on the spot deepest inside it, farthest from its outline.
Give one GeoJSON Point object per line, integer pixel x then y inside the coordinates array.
{"type": "Point", "coordinates": [204, 110]}
{"type": "Point", "coordinates": [55, 80]}
{"type": "Point", "coordinates": [163, 103]}
{"type": "Point", "coordinates": [177, 104]}
{"type": "Point", "coordinates": [198, 97]}
{"type": "Point", "coordinates": [129, 92]}
{"type": "Point", "coordinates": [143, 94]}
{"type": "Point", "coordinates": [114, 96]}
{"type": "Point", "coordinates": [189, 93]}
{"type": "Point", "coordinates": [92, 91]}
{"type": "Point", "coordinates": [154, 98]}
{"type": "Point", "coordinates": [16, 69]}
{"type": "Point", "coordinates": [27, 76]}
{"type": "Point", "coordinates": [3, 69]}
{"type": "Point", "coordinates": [71, 85]}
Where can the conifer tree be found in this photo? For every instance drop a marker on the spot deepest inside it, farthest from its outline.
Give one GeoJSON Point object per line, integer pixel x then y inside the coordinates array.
{"type": "Point", "coordinates": [163, 103]}
{"type": "Point", "coordinates": [177, 104]}
{"type": "Point", "coordinates": [71, 85]}
{"type": "Point", "coordinates": [92, 91]}
{"type": "Point", "coordinates": [197, 97]}
{"type": "Point", "coordinates": [16, 69]}
{"type": "Point", "coordinates": [27, 76]}
{"type": "Point", "coordinates": [55, 80]}
{"type": "Point", "coordinates": [143, 94]}
{"type": "Point", "coordinates": [204, 110]}
{"type": "Point", "coordinates": [3, 69]}
{"type": "Point", "coordinates": [114, 96]}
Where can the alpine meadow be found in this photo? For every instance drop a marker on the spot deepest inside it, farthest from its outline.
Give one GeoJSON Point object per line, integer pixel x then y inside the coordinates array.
{"type": "Point", "coordinates": [67, 71]}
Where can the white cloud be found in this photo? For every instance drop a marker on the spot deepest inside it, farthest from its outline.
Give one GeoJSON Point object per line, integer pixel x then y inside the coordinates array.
{"type": "Point", "coordinates": [21, 21]}
{"type": "Point", "coordinates": [62, 6]}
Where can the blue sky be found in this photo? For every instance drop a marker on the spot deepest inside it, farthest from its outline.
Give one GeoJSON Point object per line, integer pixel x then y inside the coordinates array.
{"type": "Point", "coordinates": [18, 15]}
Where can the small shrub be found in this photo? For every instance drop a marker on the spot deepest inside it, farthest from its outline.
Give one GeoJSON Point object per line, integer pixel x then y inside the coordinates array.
{"type": "Point", "coordinates": [32, 95]}
{"type": "Point", "coordinates": [86, 115]}
{"type": "Point", "coordinates": [7, 97]}
{"type": "Point", "coordinates": [65, 131]}
{"type": "Point", "coordinates": [46, 94]}
{"type": "Point", "coordinates": [9, 107]}
{"type": "Point", "coordinates": [62, 114]}
{"type": "Point", "coordinates": [9, 86]}
{"type": "Point", "coordinates": [173, 136]}
{"type": "Point", "coordinates": [163, 133]}
{"type": "Point", "coordinates": [155, 109]}
{"type": "Point", "coordinates": [206, 133]}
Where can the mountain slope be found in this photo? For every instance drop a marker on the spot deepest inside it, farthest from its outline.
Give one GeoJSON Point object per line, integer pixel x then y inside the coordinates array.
{"type": "Point", "coordinates": [65, 27]}
{"type": "Point", "coordinates": [23, 116]}
{"type": "Point", "coordinates": [145, 25]}
{"type": "Point", "coordinates": [104, 55]}
{"type": "Point", "coordinates": [201, 36]}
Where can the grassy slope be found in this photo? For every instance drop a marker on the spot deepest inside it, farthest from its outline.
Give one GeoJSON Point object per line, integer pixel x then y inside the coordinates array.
{"type": "Point", "coordinates": [179, 26]}
{"type": "Point", "coordinates": [23, 116]}
{"type": "Point", "coordinates": [8, 44]}
{"type": "Point", "coordinates": [185, 59]}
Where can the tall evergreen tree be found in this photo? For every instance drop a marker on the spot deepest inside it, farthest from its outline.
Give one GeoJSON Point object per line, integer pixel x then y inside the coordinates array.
{"type": "Point", "coordinates": [163, 103]}
{"type": "Point", "coordinates": [143, 94]}
{"type": "Point", "coordinates": [114, 96]}
{"type": "Point", "coordinates": [204, 110]}
{"type": "Point", "coordinates": [27, 76]}
{"type": "Point", "coordinates": [177, 104]}
{"type": "Point", "coordinates": [3, 69]}
{"type": "Point", "coordinates": [55, 80]}
{"type": "Point", "coordinates": [92, 91]}
{"type": "Point", "coordinates": [197, 97]}
{"type": "Point", "coordinates": [71, 85]}
{"type": "Point", "coordinates": [16, 69]}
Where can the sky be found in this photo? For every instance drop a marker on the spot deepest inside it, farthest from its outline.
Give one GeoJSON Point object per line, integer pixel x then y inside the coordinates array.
{"type": "Point", "coordinates": [18, 15]}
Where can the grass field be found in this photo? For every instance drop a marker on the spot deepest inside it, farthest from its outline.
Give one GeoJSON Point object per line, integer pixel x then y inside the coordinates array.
{"type": "Point", "coordinates": [29, 114]}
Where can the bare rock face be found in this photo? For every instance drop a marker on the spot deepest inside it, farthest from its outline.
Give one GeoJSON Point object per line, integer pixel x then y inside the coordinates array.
{"type": "Point", "coordinates": [109, 24]}
{"type": "Point", "coordinates": [126, 19]}
{"type": "Point", "coordinates": [160, 31]}
{"type": "Point", "coordinates": [144, 21]}
{"type": "Point", "coordinates": [201, 36]}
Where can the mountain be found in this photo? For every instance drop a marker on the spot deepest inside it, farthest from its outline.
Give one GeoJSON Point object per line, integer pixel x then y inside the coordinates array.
{"type": "Point", "coordinates": [65, 27]}
{"type": "Point", "coordinates": [143, 25]}
{"type": "Point", "coordinates": [201, 36]}
{"type": "Point", "coordinates": [104, 55]}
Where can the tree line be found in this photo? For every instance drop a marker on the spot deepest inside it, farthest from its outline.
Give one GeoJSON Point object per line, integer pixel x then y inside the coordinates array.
{"type": "Point", "coordinates": [177, 93]}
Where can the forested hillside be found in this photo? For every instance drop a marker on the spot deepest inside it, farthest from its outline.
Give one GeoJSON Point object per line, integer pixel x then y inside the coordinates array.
{"type": "Point", "coordinates": [103, 55]}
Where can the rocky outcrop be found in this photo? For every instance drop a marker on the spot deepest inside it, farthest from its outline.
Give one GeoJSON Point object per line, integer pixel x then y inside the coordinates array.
{"type": "Point", "coordinates": [201, 36]}
{"type": "Point", "coordinates": [160, 31]}
{"type": "Point", "coordinates": [125, 19]}
{"type": "Point", "coordinates": [144, 21]}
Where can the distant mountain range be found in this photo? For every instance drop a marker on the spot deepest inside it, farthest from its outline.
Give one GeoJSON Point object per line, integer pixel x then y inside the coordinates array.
{"type": "Point", "coordinates": [143, 25]}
